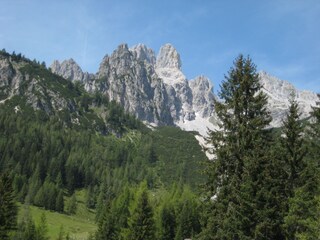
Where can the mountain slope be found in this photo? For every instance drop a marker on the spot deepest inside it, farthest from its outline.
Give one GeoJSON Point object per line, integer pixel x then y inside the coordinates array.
{"type": "Point", "coordinates": [53, 125]}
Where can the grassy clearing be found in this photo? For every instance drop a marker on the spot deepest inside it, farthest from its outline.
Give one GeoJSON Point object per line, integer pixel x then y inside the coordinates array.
{"type": "Point", "coordinates": [79, 226]}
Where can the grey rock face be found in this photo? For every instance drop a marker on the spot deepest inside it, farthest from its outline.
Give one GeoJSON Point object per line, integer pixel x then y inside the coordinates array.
{"type": "Point", "coordinates": [10, 79]}
{"type": "Point", "coordinates": [168, 68]}
{"type": "Point", "coordinates": [203, 97]}
{"type": "Point", "coordinates": [279, 93]}
{"type": "Point", "coordinates": [13, 82]}
{"type": "Point", "coordinates": [6, 76]}
{"type": "Point", "coordinates": [128, 77]}
{"type": "Point", "coordinates": [6, 72]}
{"type": "Point", "coordinates": [168, 57]}
{"type": "Point", "coordinates": [143, 53]}
{"type": "Point", "coordinates": [69, 69]}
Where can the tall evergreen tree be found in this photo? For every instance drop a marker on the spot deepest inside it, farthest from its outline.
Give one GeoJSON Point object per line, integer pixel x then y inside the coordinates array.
{"type": "Point", "coordinates": [303, 217]}
{"type": "Point", "coordinates": [314, 135]}
{"type": "Point", "coordinates": [293, 147]}
{"type": "Point", "coordinates": [59, 202]}
{"type": "Point", "coordinates": [8, 208]}
{"type": "Point", "coordinates": [186, 222]}
{"type": "Point", "coordinates": [107, 227]}
{"type": "Point", "coordinates": [240, 147]}
{"type": "Point", "coordinates": [141, 222]}
{"type": "Point", "coordinates": [167, 222]}
{"type": "Point", "coordinates": [120, 207]}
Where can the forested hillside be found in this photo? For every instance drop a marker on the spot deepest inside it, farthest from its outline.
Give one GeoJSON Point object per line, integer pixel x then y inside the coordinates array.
{"type": "Point", "coordinates": [56, 139]}
{"type": "Point", "coordinates": [59, 143]}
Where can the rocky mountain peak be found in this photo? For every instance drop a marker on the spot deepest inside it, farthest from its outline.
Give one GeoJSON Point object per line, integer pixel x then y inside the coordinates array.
{"type": "Point", "coordinates": [123, 47]}
{"type": "Point", "coordinates": [168, 67]}
{"type": "Point", "coordinates": [143, 53]}
{"type": "Point", "coordinates": [69, 69]}
{"type": "Point", "coordinates": [168, 57]}
{"type": "Point", "coordinates": [121, 60]}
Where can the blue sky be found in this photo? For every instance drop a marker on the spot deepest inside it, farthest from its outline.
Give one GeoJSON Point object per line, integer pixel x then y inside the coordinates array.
{"type": "Point", "coordinates": [281, 36]}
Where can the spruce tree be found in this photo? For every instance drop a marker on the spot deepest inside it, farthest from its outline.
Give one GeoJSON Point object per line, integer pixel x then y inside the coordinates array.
{"type": "Point", "coordinates": [186, 223]}
{"type": "Point", "coordinates": [141, 222]}
{"type": "Point", "coordinates": [293, 147]}
{"type": "Point", "coordinates": [303, 217]}
{"type": "Point", "coordinates": [314, 135]}
{"type": "Point", "coordinates": [120, 207]}
{"type": "Point", "coordinates": [240, 147]}
{"type": "Point", "coordinates": [107, 227]}
{"type": "Point", "coordinates": [40, 199]}
{"type": "Point", "coordinates": [167, 222]}
{"type": "Point", "coordinates": [8, 208]}
{"type": "Point", "coordinates": [59, 202]}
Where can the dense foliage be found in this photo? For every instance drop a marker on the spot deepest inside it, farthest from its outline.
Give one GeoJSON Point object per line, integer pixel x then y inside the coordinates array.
{"type": "Point", "coordinates": [8, 208]}
{"type": "Point", "coordinates": [260, 186]}
{"type": "Point", "coordinates": [144, 184]}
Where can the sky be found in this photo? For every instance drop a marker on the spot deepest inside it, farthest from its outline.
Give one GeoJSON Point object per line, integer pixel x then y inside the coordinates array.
{"type": "Point", "coordinates": [281, 36]}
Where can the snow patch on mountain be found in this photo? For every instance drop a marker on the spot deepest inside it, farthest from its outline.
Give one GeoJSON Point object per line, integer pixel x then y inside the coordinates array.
{"type": "Point", "coordinates": [199, 124]}
{"type": "Point", "coordinates": [205, 146]}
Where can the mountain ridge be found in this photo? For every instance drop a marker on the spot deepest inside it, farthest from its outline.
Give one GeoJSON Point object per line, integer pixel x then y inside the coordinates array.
{"type": "Point", "coordinates": [169, 97]}
{"type": "Point", "coordinates": [152, 88]}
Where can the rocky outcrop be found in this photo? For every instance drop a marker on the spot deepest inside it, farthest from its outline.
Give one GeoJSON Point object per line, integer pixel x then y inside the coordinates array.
{"type": "Point", "coordinates": [6, 77]}
{"type": "Point", "coordinates": [143, 53]}
{"type": "Point", "coordinates": [168, 57]}
{"type": "Point", "coordinates": [203, 97]}
{"type": "Point", "coordinates": [128, 77]}
{"type": "Point", "coordinates": [10, 79]}
{"type": "Point", "coordinates": [69, 69]}
{"type": "Point", "coordinates": [280, 92]}
{"type": "Point", "coordinates": [16, 80]}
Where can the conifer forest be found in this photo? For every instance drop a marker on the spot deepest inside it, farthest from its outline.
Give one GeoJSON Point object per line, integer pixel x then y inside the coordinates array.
{"type": "Point", "coordinates": [141, 182]}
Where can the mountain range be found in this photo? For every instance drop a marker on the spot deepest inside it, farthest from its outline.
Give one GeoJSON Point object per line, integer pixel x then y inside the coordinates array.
{"type": "Point", "coordinates": [65, 132]}
{"type": "Point", "coordinates": [151, 87]}
{"type": "Point", "coordinates": [154, 88]}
